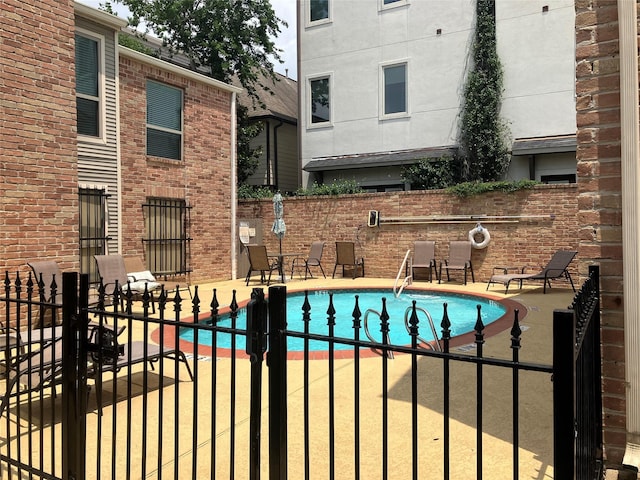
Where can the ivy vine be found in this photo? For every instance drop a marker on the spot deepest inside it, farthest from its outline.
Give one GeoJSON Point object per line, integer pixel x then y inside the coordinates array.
{"type": "Point", "coordinates": [483, 134]}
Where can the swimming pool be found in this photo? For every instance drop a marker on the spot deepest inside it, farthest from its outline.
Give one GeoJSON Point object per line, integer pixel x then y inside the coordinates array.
{"type": "Point", "coordinates": [461, 309]}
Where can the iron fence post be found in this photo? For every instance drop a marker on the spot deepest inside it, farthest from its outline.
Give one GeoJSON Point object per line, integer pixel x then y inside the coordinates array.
{"type": "Point", "coordinates": [564, 394]}
{"type": "Point", "coordinates": [73, 413]}
{"type": "Point", "coordinates": [255, 347]}
{"type": "Point", "coordinates": [277, 363]}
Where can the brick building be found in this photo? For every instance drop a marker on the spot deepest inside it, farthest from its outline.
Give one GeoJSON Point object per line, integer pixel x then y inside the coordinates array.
{"type": "Point", "coordinates": [83, 122]}
{"type": "Point", "coordinates": [608, 167]}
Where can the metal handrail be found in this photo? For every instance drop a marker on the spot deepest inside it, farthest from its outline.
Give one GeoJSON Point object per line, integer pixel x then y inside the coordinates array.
{"type": "Point", "coordinates": [438, 347]}
{"type": "Point", "coordinates": [368, 334]}
{"type": "Point", "coordinates": [406, 280]}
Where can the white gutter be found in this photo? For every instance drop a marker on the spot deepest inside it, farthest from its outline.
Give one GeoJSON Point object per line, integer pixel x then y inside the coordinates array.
{"type": "Point", "coordinates": [234, 189]}
{"type": "Point", "coordinates": [629, 121]}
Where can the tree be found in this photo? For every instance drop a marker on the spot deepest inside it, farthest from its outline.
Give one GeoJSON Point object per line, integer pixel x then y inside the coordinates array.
{"type": "Point", "coordinates": [226, 39]}
{"type": "Point", "coordinates": [482, 131]}
{"type": "Point", "coordinates": [247, 157]}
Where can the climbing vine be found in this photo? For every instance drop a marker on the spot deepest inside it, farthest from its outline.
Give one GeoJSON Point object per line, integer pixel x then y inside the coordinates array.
{"type": "Point", "coordinates": [483, 134]}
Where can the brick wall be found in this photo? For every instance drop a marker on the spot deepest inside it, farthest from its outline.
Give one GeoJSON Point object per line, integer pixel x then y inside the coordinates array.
{"type": "Point", "coordinates": [529, 241]}
{"type": "Point", "coordinates": [38, 156]}
{"type": "Point", "coordinates": [599, 200]}
{"type": "Point", "coordinates": [202, 178]}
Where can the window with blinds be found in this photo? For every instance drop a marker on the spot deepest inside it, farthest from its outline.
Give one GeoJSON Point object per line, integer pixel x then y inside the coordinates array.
{"type": "Point", "coordinates": [88, 85]}
{"type": "Point", "coordinates": [93, 229]}
{"type": "Point", "coordinates": [164, 121]}
{"type": "Point", "coordinates": [167, 240]}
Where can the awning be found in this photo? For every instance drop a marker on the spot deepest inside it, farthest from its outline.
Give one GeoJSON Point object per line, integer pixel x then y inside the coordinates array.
{"type": "Point", "coordinates": [540, 145]}
{"type": "Point", "coordinates": [378, 159]}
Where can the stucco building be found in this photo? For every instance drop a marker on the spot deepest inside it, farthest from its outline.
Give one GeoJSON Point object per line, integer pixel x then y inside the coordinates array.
{"type": "Point", "coordinates": [389, 92]}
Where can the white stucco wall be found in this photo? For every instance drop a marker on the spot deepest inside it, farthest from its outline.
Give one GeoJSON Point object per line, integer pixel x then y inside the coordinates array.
{"type": "Point", "coordinates": [536, 49]}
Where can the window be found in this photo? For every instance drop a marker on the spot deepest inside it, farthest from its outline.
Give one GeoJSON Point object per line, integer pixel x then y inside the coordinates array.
{"type": "Point", "coordinates": [564, 178]}
{"type": "Point", "coordinates": [318, 10]}
{"type": "Point", "coordinates": [394, 91]}
{"type": "Point", "coordinates": [167, 241]}
{"type": "Point", "coordinates": [388, 4]}
{"type": "Point", "coordinates": [164, 121]}
{"type": "Point", "coordinates": [88, 85]}
{"type": "Point", "coordinates": [93, 229]}
{"type": "Point", "coordinates": [320, 107]}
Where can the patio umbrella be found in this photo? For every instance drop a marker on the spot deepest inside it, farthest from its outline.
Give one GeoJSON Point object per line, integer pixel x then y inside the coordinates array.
{"type": "Point", "coordinates": [278, 228]}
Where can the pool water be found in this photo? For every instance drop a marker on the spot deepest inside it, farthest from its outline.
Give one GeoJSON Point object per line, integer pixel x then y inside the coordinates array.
{"type": "Point", "coordinates": [462, 311]}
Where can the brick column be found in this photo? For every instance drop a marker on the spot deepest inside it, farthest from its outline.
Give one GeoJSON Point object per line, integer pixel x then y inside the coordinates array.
{"type": "Point", "coordinates": [600, 196]}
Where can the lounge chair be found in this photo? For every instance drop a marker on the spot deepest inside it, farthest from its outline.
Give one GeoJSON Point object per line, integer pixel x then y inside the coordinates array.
{"type": "Point", "coordinates": [459, 259]}
{"type": "Point", "coordinates": [424, 258]}
{"type": "Point", "coordinates": [556, 268]}
{"type": "Point", "coordinates": [35, 370]}
{"type": "Point", "coordinates": [113, 272]}
{"type": "Point", "coordinates": [259, 262]}
{"type": "Point", "coordinates": [346, 256]}
{"type": "Point", "coordinates": [313, 260]}
{"type": "Point", "coordinates": [42, 368]}
{"type": "Point", "coordinates": [137, 270]}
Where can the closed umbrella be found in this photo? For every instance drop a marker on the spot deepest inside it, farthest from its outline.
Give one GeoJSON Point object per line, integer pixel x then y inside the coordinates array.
{"type": "Point", "coordinates": [279, 228]}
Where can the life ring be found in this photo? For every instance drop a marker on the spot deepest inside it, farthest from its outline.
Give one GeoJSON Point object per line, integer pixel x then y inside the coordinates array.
{"type": "Point", "coordinates": [479, 230]}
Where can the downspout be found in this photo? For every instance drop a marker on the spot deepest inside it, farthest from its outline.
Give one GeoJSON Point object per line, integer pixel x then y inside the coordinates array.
{"type": "Point", "coordinates": [275, 154]}
{"type": "Point", "coordinates": [234, 189]}
{"type": "Point", "coordinates": [629, 121]}
{"type": "Point", "coordinates": [268, 148]}
{"type": "Point", "coordinates": [299, 119]}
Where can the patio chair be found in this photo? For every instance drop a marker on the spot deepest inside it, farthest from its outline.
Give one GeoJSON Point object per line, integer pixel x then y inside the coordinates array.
{"type": "Point", "coordinates": [48, 287]}
{"type": "Point", "coordinates": [424, 258]}
{"type": "Point", "coordinates": [556, 268]}
{"type": "Point", "coordinates": [346, 256]}
{"type": "Point", "coordinates": [313, 260]}
{"type": "Point", "coordinates": [259, 262]}
{"type": "Point", "coordinates": [459, 259]}
{"type": "Point", "coordinates": [137, 270]}
{"type": "Point", "coordinates": [113, 272]}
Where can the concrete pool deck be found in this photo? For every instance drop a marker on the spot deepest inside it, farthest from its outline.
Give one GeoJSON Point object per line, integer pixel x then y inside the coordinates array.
{"type": "Point", "coordinates": [535, 405]}
{"type": "Point", "coordinates": [536, 441]}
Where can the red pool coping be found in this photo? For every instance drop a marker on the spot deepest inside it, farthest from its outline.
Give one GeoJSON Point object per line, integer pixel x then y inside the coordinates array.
{"type": "Point", "coordinates": [501, 324]}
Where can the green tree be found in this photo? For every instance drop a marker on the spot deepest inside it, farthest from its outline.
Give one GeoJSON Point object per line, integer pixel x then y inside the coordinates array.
{"type": "Point", "coordinates": [247, 157]}
{"type": "Point", "coordinates": [482, 132]}
{"type": "Point", "coordinates": [227, 39]}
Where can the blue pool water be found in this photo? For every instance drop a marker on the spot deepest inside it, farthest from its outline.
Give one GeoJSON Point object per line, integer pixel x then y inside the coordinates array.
{"type": "Point", "coordinates": [462, 311]}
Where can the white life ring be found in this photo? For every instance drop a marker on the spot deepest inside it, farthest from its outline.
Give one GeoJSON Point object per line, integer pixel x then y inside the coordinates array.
{"type": "Point", "coordinates": [479, 230]}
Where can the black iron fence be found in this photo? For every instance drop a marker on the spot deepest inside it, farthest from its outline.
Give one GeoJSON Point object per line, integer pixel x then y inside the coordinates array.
{"type": "Point", "coordinates": [577, 384]}
{"type": "Point", "coordinates": [142, 396]}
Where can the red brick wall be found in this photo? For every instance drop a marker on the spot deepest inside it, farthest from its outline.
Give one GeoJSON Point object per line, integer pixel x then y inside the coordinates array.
{"type": "Point", "coordinates": [600, 201]}
{"type": "Point", "coordinates": [38, 156]}
{"type": "Point", "coordinates": [202, 179]}
{"type": "Point", "coordinates": [530, 241]}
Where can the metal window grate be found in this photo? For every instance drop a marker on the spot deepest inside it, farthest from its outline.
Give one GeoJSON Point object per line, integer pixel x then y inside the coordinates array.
{"type": "Point", "coordinates": [167, 242]}
{"type": "Point", "coordinates": [93, 229]}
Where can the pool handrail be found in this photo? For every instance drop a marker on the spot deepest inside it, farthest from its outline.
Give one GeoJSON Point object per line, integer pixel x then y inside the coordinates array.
{"type": "Point", "coordinates": [368, 333]}
{"type": "Point", "coordinates": [407, 279]}
{"type": "Point", "coordinates": [437, 347]}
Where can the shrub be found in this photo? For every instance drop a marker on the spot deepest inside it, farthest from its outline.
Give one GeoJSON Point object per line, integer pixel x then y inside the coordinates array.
{"type": "Point", "coordinates": [467, 189]}
{"type": "Point", "coordinates": [337, 188]}
{"type": "Point", "coordinates": [251, 191]}
{"type": "Point", "coordinates": [432, 174]}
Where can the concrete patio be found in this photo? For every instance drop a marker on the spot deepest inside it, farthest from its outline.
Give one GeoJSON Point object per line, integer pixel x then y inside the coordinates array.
{"type": "Point", "coordinates": [536, 441]}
